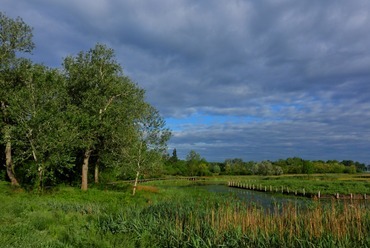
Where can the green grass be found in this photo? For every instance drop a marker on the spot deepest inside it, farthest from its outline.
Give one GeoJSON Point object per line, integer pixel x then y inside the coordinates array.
{"type": "Point", "coordinates": [326, 184]}
{"type": "Point", "coordinates": [172, 214]}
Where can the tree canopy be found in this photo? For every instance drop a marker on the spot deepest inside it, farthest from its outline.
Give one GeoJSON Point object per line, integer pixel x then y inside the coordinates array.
{"type": "Point", "coordinates": [56, 123]}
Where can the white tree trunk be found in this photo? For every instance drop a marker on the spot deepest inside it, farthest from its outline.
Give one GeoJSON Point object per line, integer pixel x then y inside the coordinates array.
{"type": "Point", "coordinates": [135, 184]}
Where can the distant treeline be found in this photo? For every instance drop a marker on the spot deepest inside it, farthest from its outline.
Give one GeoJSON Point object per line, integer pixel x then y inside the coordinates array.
{"type": "Point", "coordinates": [195, 165]}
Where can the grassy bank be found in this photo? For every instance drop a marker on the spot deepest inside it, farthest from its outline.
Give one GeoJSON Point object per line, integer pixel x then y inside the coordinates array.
{"type": "Point", "coordinates": [325, 183]}
{"type": "Point", "coordinates": [161, 215]}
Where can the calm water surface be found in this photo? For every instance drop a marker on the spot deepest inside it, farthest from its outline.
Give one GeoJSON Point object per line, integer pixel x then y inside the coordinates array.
{"type": "Point", "coordinates": [266, 200]}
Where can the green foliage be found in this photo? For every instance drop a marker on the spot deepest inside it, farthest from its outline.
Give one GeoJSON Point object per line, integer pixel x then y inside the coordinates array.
{"type": "Point", "coordinates": [53, 122]}
{"type": "Point", "coordinates": [15, 36]}
{"type": "Point", "coordinates": [196, 165]}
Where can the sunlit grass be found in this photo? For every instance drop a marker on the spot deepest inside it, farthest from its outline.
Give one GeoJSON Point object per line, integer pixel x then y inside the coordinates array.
{"type": "Point", "coordinates": [161, 215]}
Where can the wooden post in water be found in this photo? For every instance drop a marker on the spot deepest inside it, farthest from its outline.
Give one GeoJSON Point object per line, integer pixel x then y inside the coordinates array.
{"type": "Point", "coordinates": [282, 189]}
{"type": "Point", "coordinates": [265, 188]}
{"type": "Point", "coordinates": [270, 188]}
{"type": "Point", "coordinates": [304, 192]}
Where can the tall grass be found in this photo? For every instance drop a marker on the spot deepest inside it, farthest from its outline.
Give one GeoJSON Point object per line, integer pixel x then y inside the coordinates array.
{"type": "Point", "coordinates": [211, 222]}
{"type": "Point", "coordinates": [173, 217]}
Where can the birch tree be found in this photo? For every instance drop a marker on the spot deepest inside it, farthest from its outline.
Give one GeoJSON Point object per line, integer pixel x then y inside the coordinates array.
{"type": "Point", "coordinates": [149, 143]}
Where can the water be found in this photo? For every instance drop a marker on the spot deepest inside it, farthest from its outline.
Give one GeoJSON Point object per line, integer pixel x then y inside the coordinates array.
{"type": "Point", "coordinates": [265, 200]}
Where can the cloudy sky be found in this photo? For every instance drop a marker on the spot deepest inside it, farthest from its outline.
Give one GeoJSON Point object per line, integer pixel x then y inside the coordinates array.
{"type": "Point", "coordinates": [250, 79]}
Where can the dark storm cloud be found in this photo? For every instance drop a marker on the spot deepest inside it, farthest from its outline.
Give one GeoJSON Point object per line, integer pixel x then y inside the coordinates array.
{"type": "Point", "coordinates": [295, 72]}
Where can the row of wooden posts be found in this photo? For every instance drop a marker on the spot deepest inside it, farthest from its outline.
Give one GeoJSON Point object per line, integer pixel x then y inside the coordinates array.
{"type": "Point", "coordinates": [286, 190]}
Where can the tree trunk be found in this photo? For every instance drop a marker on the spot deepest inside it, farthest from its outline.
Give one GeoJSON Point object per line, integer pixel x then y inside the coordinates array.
{"type": "Point", "coordinates": [135, 185]}
{"type": "Point", "coordinates": [96, 174]}
{"type": "Point", "coordinates": [8, 158]}
{"type": "Point", "coordinates": [85, 169]}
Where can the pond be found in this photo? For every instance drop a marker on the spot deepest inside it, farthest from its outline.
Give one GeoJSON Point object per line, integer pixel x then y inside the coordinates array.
{"type": "Point", "coordinates": [265, 200]}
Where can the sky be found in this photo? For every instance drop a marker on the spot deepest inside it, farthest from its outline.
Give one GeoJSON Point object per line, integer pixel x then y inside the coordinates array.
{"type": "Point", "coordinates": [250, 79]}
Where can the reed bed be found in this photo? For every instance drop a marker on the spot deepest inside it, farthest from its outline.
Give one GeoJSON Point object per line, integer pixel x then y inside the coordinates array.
{"type": "Point", "coordinates": [224, 223]}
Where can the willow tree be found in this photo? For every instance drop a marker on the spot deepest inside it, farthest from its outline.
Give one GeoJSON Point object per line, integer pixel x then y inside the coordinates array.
{"type": "Point", "coordinates": [42, 131]}
{"type": "Point", "coordinates": [15, 37]}
{"type": "Point", "coordinates": [102, 99]}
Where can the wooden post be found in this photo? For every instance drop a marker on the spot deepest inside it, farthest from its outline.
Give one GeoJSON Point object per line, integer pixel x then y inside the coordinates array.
{"type": "Point", "coordinates": [365, 197]}
{"type": "Point", "coordinates": [282, 189]}
{"type": "Point", "coordinates": [337, 196]}
{"type": "Point", "coordinates": [265, 188]}
{"type": "Point", "coordinates": [304, 192]}
{"type": "Point", "coordinates": [318, 194]}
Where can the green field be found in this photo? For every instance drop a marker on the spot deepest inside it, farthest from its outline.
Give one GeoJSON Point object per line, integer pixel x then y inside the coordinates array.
{"type": "Point", "coordinates": [175, 214]}
{"type": "Point", "coordinates": [325, 183]}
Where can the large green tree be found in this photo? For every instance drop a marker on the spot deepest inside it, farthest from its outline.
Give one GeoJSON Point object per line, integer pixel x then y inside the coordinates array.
{"type": "Point", "coordinates": [42, 132]}
{"type": "Point", "coordinates": [15, 37]}
{"type": "Point", "coordinates": [105, 103]}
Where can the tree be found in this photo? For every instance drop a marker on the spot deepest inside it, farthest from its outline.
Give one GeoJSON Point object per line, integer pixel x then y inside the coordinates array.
{"type": "Point", "coordinates": [174, 157]}
{"type": "Point", "coordinates": [265, 168]}
{"type": "Point", "coordinates": [216, 169]}
{"type": "Point", "coordinates": [103, 100]}
{"type": "Point", "coordinates": [15, 36]}
{"type": "Point", "coordinates": [148, 144]}
{"type": "Point", "coordinates": [197, 166]}
{"type": "Point", "coordinates": [42, 132]}
{"type": "Point", "coordinates": [192, 160]}
{"type": "Point", "coordinates": [307, 167]}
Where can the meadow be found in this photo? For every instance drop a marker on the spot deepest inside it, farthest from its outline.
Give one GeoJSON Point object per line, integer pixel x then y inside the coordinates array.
{"type": "Point", "coordinates": [327, 184]}
{"type": "Point", "coordinates": [175, 214]}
